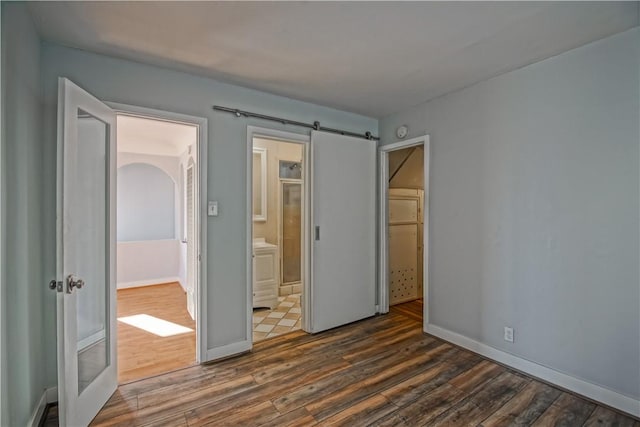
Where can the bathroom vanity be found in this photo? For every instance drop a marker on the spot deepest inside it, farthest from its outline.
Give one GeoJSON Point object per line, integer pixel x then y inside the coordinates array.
{"type": "Point", "coordinates": [266, 266]}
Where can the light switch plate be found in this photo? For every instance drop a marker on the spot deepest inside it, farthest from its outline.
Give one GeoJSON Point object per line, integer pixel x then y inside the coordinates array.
{"type": "Point", "coordinates": [212, 208]}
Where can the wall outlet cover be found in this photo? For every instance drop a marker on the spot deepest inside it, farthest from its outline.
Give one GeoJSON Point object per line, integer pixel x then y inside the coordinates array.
{"type": "Point", "coordinates": [508, 334]}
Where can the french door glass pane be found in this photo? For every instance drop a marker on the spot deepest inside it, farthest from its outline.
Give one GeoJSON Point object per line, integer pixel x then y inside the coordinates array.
{"type": "Point", "coordinates": [91, 238]}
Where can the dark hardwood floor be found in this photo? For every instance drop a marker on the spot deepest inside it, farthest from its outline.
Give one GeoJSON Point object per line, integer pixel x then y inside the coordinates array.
{"type": "Point", "coordinates": [382, 371]}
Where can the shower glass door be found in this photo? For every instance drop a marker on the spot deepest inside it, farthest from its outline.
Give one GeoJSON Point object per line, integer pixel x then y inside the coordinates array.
{"type": "Point", "coordinates": [291, 231]}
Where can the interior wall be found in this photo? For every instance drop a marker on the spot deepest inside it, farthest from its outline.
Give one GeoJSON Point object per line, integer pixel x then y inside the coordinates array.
{"type": "Point", "coordinates": [535, 211]}
{"type": "Point", "coordinates": [146, 203]}
{"type": "Point", "coordinates": [175, 167]}
{"type": "Point", "coordinates": [276, 151]}
{"type": "Point", "coordinates": [134, 83]}
{"type": "Point", "coordinates": [148, 262]}
{"type": "Point", "coordinates": [148, 251]}
{"type": "Point", "coordinates": [23, 214]}
{"type": "Point", "coordinates": [171, 166]}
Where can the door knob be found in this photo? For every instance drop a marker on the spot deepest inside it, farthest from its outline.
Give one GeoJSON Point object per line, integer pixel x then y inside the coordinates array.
{"type": "Point", "coordinates": [74, 282]}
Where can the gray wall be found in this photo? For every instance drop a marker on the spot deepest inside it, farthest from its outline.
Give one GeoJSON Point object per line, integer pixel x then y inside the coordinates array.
{"type": "Point", "coordinates": [133, 83]}
{"type": "Point", "coordinates": [23, 282]}
{"type": "Point", "coordinates": [146, 203]}
{"type": "Point", "coordinates": [534, 211]}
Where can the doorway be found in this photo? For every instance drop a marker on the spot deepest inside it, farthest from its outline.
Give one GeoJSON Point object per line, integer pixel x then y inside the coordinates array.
{"type": "Point", "coordinates": [338, 245]}
{"type": "Point", "coordinates": [157, 240]}
{"type": "Point", "coordinates": [279, 208]}
{"type": "Point", "coordinates": [404, 173]}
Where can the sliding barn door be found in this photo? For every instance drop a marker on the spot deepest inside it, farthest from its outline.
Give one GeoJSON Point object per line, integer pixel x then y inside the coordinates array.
{"type": "Point", "coordinates": [343, 285]}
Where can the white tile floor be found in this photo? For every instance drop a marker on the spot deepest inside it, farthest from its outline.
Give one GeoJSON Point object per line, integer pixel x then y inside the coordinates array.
{"type": "Point", "coordinates": [283, 319]}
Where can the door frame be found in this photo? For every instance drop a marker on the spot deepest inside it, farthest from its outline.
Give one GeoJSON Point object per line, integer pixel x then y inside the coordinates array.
{"type": "Point", "coordinates": [305, 141]}
{"type": "Point", "coordinates": [201, 219]}
{"type": "Point", "coordinates": [383, 222]}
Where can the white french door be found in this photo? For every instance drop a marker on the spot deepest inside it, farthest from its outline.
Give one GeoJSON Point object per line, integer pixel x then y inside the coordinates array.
{"type": "Point", "coordinates": [86, 274]}
{"type": "Point", "coordinates": [343, 286]}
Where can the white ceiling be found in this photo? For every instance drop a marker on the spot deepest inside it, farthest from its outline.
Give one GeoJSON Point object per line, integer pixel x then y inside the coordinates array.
{"type": "Point", "coordinates": [146, 136]}
{"type": "Point", "coordinates": [373, 58]}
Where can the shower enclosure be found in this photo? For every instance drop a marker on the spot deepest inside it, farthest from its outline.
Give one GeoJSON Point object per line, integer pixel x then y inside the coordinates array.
{"type": "Point", "coordinates": [291, 191]}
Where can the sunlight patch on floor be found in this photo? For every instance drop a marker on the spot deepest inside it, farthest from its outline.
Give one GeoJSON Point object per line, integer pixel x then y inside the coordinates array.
{"type": "Point", "coordinates": [153, 325]}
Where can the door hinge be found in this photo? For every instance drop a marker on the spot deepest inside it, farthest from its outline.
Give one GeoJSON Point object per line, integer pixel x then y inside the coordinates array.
{"type": "Point", "coordinates": [55, 285]}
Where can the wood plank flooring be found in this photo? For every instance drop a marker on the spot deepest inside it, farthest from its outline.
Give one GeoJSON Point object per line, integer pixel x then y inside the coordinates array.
{"type": "Point", "coordinates": [143, 354]}
{"type": "Point", "coordinates": [382, 371]}
{"type": "Point", "coordinates": [412, 309]}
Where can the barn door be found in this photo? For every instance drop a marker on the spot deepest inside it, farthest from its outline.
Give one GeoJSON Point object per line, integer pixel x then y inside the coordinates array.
{"type": "Point", "coordinates": [343, 285]}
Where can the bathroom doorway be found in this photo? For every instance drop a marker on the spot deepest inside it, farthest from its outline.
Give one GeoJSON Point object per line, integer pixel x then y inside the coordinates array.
{"type": "Point", "coordinates": [279, 209]}
{"type": "Point", "coordinates": [158, 243]}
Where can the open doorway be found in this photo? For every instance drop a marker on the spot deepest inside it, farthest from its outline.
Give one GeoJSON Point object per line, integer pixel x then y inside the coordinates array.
{"type": "Point", "coordinates": [278, 241]}
{"type": "Point", "coordinates": [404, 234]}
{"type": "Point", "coordinates": [157, 245]}
{"type": "Point", "coordinates": [405, 202]}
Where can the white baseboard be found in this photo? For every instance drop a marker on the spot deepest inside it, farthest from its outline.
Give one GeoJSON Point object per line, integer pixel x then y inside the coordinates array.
{"type": "Point", "coordinates": [227, 350]}
{"type": "Point", "coordinates": [34, 421]}
{"type": "Point", "coordinates": [592, 391]}
{"type": "Point", "coordinates": [50, 395]}
{"type": "Point", "coordinates": [148, 282]}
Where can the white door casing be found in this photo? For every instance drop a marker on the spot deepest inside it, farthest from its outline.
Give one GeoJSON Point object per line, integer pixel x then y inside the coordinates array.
{"type": "Point", "coordinates": [203, 354]}
{"type": "Point", "coordinates": [86, 316]}
{"type": "Point", "coordinates": [383, 222]}
{"type": "Point", "coordinates": [343, 199]}
{"type": "Point", "coordinates": [284, 136]}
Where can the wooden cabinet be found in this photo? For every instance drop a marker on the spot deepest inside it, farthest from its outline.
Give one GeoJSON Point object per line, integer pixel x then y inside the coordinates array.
{"type": "Point", "coordinates": [265, 274]}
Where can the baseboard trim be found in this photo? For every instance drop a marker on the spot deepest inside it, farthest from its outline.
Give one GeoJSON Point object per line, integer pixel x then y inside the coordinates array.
{"type": "Point", "coordinates": [227, 350]}
{"type": "Point", "coordinates": [36, 416]}
{"type": "Point", "coordinates": [50, 395]}
{"type": "Point", "coordinates": [592, 391]}
{"type": "Point", "coordinates": [148, 282]}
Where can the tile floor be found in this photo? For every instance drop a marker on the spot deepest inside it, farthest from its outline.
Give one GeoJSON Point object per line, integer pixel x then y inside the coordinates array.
{"type": "Point", "coordinates": [285, 318]}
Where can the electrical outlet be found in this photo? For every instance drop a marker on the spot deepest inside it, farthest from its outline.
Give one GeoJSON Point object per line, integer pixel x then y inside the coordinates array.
{"type": "Point", "coordinates": [508, 334]}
